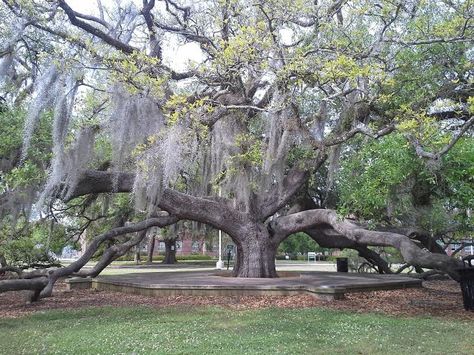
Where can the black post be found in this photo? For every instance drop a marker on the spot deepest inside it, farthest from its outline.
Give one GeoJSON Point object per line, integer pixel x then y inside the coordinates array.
{"type": "Point", "coordinates": [229, 254]}
{"type": "Point", "coordinates": [342, 264]}
{"type": "Point", "coordinates": [467, 283]}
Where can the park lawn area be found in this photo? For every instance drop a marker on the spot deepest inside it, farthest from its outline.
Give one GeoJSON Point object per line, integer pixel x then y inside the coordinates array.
{"type": "Point", "coordinates": [213, 330]}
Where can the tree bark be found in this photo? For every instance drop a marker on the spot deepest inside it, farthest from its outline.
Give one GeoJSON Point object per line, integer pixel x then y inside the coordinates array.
{"type": "Point", "coordinates": [256, 253]}
{"type": "Point", "coordinates": [170, 251]}
{"type": "Point", "coordinates": [23, 284]}
{"type": "Point", "coordinates": [3, 261]}
{"type": "Point", "coordinates": [418, 234]}
{"type": "Point", "coordinates": [429, 243]}
{"type": "Point", "coordinates": [112, 253]}
{"type": "Point", "coordinates": [151, 249]}
{"type": "Point", "coordinates": [374, 258]}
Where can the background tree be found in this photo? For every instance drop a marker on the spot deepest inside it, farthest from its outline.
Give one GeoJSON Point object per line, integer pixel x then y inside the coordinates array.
{"type": "Point", "coordinates": [299, 243]}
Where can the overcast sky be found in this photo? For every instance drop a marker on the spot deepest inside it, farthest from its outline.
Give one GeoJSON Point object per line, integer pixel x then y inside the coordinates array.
{"type": "Point", "coordinates": [176, 56]}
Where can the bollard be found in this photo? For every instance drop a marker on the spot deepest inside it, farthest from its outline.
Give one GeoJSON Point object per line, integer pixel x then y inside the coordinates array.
{"type": "Point", "coordinates": [229, 255]}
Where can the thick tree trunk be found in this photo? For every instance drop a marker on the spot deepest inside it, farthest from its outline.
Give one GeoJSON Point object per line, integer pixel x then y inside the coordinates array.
{"type": "Point", "coordinates": [151, 249]}
{"type": "Point", "coordinates": [256, 248]}
{"type": "Point", "coordinates": [170, 251]}
{"type": "Point", "coordinates": [256, 253]}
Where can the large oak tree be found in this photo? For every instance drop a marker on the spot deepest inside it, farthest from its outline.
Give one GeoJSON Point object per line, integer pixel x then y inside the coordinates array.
{"type": "Point", "coordinates": [278, 89]}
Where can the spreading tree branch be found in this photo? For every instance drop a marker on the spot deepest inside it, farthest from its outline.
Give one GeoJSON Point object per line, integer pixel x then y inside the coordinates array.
{"type": "Point", "coordinates": [411, 253]}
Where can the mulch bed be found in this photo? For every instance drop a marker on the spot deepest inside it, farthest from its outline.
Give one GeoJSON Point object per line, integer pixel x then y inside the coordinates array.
{"type": "Point", "coordinates": [440, 298]}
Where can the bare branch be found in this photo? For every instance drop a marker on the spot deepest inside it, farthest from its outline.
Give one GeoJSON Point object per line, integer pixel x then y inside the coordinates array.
{"type": "Point", "coordinates": [155, 48]}
{"type": "Point", "coordinates": [72, 15]}
{"type": "Point", "coordinates": [362, 129]}
{"type": "Point", "coordinates": [431, 41]}
{"type": "Point", "coordinates": [435, 156]}
{"type": "Point", "coordinates": [93, 19]}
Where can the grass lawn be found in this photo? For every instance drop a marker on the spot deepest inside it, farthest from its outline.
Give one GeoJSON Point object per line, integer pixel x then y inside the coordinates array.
{"type": "Point", "coordinates": [212, 330]}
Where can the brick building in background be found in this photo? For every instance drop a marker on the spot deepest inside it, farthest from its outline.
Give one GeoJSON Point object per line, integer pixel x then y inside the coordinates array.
{"type": "Point", "coordinates": [187, 244]}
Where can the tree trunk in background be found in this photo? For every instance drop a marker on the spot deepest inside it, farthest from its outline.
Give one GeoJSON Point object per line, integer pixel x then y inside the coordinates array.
{"type": "Point", "coordinates": [151, 249]}
{"type": "Point", "coordinates": [170, 251]}
{"type": "Point", "coordinates": [3, 263]}
{"type": "Point", "coordinates": [137, 257]}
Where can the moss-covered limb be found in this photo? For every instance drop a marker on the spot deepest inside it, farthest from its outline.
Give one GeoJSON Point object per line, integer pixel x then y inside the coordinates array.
{"type": "Point", "coordinates": [183, 206]}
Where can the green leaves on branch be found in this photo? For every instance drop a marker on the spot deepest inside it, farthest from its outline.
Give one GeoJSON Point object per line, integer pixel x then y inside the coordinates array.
{"type": "Point", "coordinates": [385, 179]}
{"type": "Point", "coordinates": [371, 176]}
{"type": "Point", "coordinates": [250, 151]}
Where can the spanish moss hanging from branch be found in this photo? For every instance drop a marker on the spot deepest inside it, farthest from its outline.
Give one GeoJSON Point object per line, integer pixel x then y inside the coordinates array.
{"type": "Point", "coordinates": [45, 93]}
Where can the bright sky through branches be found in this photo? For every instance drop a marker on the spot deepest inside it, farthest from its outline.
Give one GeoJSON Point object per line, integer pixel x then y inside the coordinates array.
{"type": "Point", "coordinates": [175, 55]}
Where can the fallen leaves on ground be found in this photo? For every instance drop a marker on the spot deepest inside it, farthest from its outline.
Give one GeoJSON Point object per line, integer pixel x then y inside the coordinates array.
{"type": "Point", "coordinates": [441, 298]}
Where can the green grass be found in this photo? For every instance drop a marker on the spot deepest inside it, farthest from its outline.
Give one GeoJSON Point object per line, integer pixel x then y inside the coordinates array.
{"type": "Point", "coordinates": [212, 330]}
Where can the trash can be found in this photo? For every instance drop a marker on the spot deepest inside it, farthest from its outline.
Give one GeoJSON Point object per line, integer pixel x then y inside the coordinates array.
{"type": "Point", "coordinates": [466, 275]}
{"type": "Point", "coordinates": [342, 265]}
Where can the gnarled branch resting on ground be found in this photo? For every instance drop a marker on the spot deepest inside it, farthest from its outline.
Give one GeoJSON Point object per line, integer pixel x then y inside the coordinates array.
{"type": "Point", "coordinates": [43, 286]}
{"type": "Point", "coordinates": [411, 253]}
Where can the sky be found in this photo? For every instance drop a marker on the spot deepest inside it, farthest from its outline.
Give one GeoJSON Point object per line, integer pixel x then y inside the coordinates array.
{"type": "Point", "coordinates": [174, 55]}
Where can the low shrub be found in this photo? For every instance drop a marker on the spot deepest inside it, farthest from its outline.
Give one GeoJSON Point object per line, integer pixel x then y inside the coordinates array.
{"type": "Point", "coordinates": [198, 257]}
{"type": "Point", "coordinates": [194, 257]}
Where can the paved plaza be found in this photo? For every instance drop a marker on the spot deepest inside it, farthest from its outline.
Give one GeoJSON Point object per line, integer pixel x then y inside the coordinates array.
{"type": "Point", "coordinates": [327, 285]}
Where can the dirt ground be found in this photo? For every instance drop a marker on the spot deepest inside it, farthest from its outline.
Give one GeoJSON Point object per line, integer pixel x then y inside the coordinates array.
{"type": "Point", "coordinates": [436, 298]}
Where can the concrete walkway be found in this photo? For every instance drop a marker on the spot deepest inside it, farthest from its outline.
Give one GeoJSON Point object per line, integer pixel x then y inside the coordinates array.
{"type": "Point", "coordinates": [210, 266]}
{"type": "Point", "coordinates": [327, 285]}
